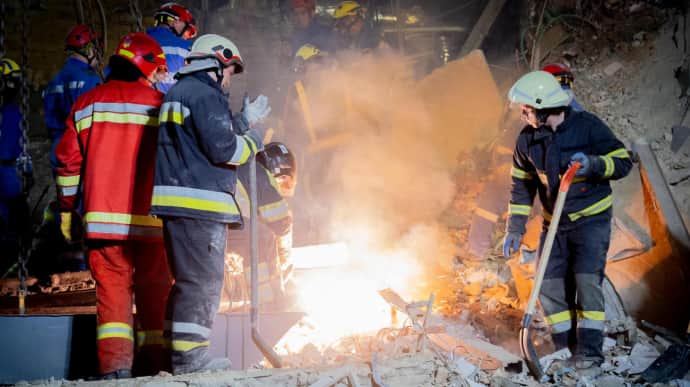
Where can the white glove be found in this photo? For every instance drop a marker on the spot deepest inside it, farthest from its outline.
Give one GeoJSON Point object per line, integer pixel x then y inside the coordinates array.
{"type": "Point", "coordinates": [255, 111]}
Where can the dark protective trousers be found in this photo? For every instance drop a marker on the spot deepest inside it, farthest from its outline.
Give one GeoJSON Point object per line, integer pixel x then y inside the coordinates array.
{"type": "Point", "coordinates": [195, 250]}
{"type": "Point", "coordinates": [571, 293]}
{"type": "Point", "coordinates": [123, 269]}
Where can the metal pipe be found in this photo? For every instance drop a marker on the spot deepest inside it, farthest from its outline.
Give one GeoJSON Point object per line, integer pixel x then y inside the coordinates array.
{"type": "Point", "coordinates": [259, 341]}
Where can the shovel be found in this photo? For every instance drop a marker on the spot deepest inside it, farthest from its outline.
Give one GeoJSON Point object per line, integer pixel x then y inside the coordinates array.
{"type": "Point", "coordinates": [672, 364]}
{"type": "Point", "coordinates": [526, 345]}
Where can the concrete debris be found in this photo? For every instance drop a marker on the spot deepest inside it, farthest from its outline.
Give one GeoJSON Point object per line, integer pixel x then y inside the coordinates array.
{"type": "Point", "coordinates": [562, 354]}
{"type": "Point", "coordinates": [609, 343]}
{"type": "Point", "coordinates": [641, 357]}
{"type": "Point", "coordinates": [612, 68]}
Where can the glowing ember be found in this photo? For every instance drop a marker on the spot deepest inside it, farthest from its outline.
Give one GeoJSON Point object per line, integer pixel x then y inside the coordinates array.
{"type": "Point", "coordinates": [342, 299]}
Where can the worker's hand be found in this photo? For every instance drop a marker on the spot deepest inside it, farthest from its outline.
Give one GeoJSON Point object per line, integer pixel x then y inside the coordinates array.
{"type": "Point", "coordinates": [66, 226]}
{"type": "Point", "coordinates": [255, 111]}
{"type": "Point", "coordinates": [511, 241]}
{"type": "Point", "coordinates": [586, 163]}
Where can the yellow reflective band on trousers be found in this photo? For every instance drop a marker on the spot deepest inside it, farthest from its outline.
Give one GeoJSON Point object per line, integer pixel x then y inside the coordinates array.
{"type": "Point", "coordinates": [152, 337]}
{"type": "Point", "coordinates": [519, 209]}
{"type": "Point", "coordinates": [591, 319]}
{"type": "Point", "coordinates": [116, 118]}
{"type": "Point", "coordinates": [194, 199]}
{"type": "Point", "coordinates": [66, 181]}
{"type": "Point", "coordinates": [520, 174]}
{"type": "Point", "coordinates": [187, 345]}
{"type": "Point", "coordinates": [596, 208]}
{"type": "Point", "coordinates": [560, 317]}
{"type": "Point", "coordinates": [595, 315]}
{"type": "Point", "coordinates": [113, 217]}
{"type": "Point", "coordinates": [114, 330]}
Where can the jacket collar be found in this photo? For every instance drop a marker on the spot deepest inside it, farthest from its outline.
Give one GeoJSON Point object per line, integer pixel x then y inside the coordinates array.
{"type": "Point", "coordinates": [76, 63]}
{"type": "Point", "coordinates": [544, 131]}
{"type": "Point", "coordinates": [203, 77]}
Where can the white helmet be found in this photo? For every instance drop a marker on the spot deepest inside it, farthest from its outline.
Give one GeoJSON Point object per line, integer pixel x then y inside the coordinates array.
{"type": "Point", "coordinates": [213, 51]}
{"type": "Point", "coordinates": [540, 90]}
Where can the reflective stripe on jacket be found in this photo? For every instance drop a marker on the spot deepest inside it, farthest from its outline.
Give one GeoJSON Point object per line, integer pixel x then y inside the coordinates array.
{"type": "Point", "coordinates": [542, 156]}
{"type": "Point", "coordinates": [108, 150]}
{"type": "Point", "coordinates": [74, 79]}
{"type": "Point", "coordinates": [198, 153]}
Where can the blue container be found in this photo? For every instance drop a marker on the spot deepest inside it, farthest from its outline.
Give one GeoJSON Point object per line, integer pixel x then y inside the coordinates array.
{"type": "Point", "coordinates": [41, 347]}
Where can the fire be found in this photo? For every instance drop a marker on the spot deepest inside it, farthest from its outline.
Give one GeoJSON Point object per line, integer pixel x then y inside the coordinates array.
{"type": "Point", "coordinates": [337, 287]}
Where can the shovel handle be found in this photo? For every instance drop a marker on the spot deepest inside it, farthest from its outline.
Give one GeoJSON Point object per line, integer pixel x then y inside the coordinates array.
{"type": "Point", "coordinates": [568, 177]}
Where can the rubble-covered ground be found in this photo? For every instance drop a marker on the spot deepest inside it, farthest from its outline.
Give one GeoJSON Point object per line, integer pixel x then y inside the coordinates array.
{"type": "Point", "coordinates": [625, 75]}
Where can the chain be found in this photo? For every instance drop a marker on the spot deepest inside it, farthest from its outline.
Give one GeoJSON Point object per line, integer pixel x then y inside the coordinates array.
{"type": "Point", "coordinates": [24, 163]}
{"type": "Point", "coordinates": [2, 55]}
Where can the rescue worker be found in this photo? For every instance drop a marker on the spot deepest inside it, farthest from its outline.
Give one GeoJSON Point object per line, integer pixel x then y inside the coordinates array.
{"type": "Point", "coordinates": [491, 201]}
{"type": "Point", "coordinates": [275, 181]}
{"type": "Point", "coordinates": [307, 27]}
{"type": "Point", "coordinates": [173, 28]}
{"type": "Point", "coordinates": [13, 208]}
{"type": "Point", "coordinates": [77, 76]}
{"type": "Point", "coordinates": [566, 78]}
{"type": "Point", "coordinates": [107, 155]}
{"type": "Point", "coordinates": [308, 56]}
{"type": "Point", "coordinates": [556, 136]}
{"type": "Point", "coordinates": [196, 169]}
{"type": "Point", "coordinates": [352, 30]}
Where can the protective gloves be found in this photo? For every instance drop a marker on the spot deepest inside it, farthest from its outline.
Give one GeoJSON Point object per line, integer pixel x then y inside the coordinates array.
{"type": "Point", "coordinates": [66, 226]}
{"type": "Point", "coordinates": [587, 163]}
{"type": "Point", "coordinates": [511, 241]}
{"type": "Point", "coordinates": [255, 111]}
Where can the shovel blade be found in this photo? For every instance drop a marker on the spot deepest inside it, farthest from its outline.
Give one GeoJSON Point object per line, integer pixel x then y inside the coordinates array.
{"type": "Point", "coordinates": [530, 355]}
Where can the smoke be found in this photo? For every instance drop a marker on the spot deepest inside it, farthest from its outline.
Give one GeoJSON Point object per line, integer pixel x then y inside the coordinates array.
{"type": "Point", "coordinates": [384, 189]}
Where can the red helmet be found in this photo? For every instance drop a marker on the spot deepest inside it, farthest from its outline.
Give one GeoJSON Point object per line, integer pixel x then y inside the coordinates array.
{"type": "Point", "coordinates": [562, 73]}
{"type": "Point", "coordinates": [142, 51]}
{"type": "Point", "coordinates": [308, 4]}
{"type": "Point", "coordinates": [79, 37]}
{"type": "Point", "coordinates": [176, 11]}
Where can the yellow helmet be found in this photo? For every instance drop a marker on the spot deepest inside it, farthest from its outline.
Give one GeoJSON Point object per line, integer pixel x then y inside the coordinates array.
{"type": "Point", "coordinates": [8, 67]}
{"type": "Point", "coordinates": [347, 8]}
{"type": "Point", "coordinates": [308, 51]}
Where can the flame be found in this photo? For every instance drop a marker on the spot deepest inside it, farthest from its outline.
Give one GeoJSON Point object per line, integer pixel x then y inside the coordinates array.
{"type": "Point", "coordinates": [340, 296]}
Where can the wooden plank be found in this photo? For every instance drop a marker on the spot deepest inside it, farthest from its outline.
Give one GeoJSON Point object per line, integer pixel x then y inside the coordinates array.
{"type": "Point", "coordinates": [483, 26]}
{"type": "Point", "coordinates": [83, 302]}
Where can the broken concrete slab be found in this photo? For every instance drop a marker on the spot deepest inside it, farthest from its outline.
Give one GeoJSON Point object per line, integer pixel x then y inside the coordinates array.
{"type": "Point", "coordinates": [641, 357]}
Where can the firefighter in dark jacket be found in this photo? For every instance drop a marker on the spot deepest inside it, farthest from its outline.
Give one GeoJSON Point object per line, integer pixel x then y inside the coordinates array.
{"type": "Point", "coordinates": [196, 169]}
{"type": "Point", "coordinates": [556, 136]}
{"type": "Point", "coordinates": [275, 180]}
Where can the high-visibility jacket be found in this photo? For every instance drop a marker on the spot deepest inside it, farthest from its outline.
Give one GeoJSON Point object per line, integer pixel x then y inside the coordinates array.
{"type": "Point", "coordinates": [541, 156]}
{"type": "Point", "coordinates": [176, 50]}
{"type": "Point", "coordinates": [107, 154]}
{"type": "Point", "coordinates": [74, 79]}
{"type": "Point", "coordinates": [198, 153]}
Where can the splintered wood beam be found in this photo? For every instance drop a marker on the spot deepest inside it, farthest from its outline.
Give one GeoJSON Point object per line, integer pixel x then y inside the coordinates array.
{"type": "Point", "coordinates": [483, 26]}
